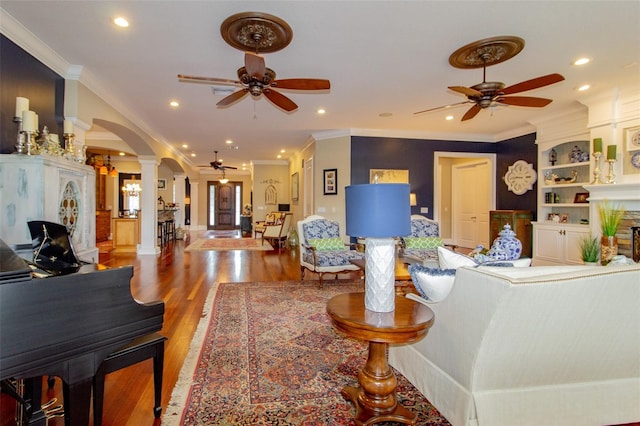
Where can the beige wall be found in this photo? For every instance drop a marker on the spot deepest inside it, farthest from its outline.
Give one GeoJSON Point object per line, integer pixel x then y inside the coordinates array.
{"type": "Point", "coordinates": [264, 175]}
{"type": "Point", "coordinates": [332, 153]}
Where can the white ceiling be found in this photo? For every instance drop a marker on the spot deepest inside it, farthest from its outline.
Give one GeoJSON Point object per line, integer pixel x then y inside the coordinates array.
{"type": "Point", "coordinates": [380, 56]}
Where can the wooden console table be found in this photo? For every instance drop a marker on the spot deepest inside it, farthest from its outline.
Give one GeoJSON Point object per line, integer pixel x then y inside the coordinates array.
{"type": "Point", "coordinates": [375, 397]}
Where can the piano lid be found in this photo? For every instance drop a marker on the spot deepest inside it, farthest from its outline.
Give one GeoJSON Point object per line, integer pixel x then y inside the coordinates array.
{"type": "Point", "coordinates": [12, 267]}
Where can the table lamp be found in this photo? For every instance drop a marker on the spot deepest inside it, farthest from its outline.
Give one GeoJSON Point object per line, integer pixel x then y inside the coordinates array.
{"type": "Point", "coordinates": [379, 212]}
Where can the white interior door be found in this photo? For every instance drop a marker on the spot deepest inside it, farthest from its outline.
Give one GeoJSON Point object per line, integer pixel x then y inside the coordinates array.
{"type": "Point", "coordinates": [471, 189]}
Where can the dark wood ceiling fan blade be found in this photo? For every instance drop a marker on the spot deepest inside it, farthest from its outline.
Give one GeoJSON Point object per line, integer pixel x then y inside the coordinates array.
{"type": "Point", "coordinates": [442, 107]}
{"type": "Point", "coordinates": [232, 98]}
{"type": "Point", "coordinates": [473, 111]}
{"type": "Point", "coordinates": [254, 64]}
{"type": "Point", "coordinates": [302, 84]}
{"type": "Point", "coordinates": [206, 80]}
{"type": "Point", "coordinates": [534, 83]}
{"type": "Point", "coordinates": [467, 91]}
{"type": "Point", "coordinates": [280, 100]}
{"type": "Point", "coordinates": [526, 101]}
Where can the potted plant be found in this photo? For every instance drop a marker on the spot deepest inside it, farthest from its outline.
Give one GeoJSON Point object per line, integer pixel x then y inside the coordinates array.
{"type": "Point", "coordinates": [610, 217]}
{"type": "Point", "coordinates": [590, 249]}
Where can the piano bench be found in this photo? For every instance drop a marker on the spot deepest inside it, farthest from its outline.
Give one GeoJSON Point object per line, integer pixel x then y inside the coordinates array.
{"type": "Point", "coordinates": [141, 349]}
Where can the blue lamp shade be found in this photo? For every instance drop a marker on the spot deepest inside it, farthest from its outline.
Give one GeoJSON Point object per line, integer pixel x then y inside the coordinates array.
{"type": "Point", "coordinates": [378, 210]}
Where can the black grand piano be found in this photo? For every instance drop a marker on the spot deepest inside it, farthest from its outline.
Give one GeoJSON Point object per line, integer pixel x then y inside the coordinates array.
{"type": "Point", "coordinates": [66, 325]}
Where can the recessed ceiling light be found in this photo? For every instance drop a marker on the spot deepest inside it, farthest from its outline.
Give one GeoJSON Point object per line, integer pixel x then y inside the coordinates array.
{"type": "Point", "coordinates": [581, 61]}
{"type": "Point", "coordinates": [279, 156]}
{"type": "Point", "coordinates": [584, 87]}
{"type": "Point", "coordinates": [121, 154]}
{"type": "Point", "coordinates": [228, 141]}
{"type": "Point", "coordinates": [174, 104]}
{"type": "Point", "coordinates": [282, 151]}
{"type": "Point", "coordinates": [449, 117]}
{"type": "Point", "coordinates": [185, 146]}
{"type": "Point", "coordinates": [321, 111]}
{"type": "Point", "coordinates": [193, 154]}
{"type": "Point", "coordinates": [121, 22]}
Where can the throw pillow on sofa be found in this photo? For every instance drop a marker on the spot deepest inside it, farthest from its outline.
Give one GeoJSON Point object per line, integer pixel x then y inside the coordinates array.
{"type": "Point", "coordinates": [433, 284]}
{"type": "Point", "coordinates": [423, 243]}
{"type": "Point", "coordinates": [324, 244]}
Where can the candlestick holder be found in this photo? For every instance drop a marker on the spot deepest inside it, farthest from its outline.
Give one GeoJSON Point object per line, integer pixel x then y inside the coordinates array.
{"type": "Point", "coordinates": [68, 144]}
{"type": "Point", "coordinates": [20, 141]}
{"type": "Point", "coordinates": [596, 170]}
{"type": "Point", "coordinates": [29, 147]}
{"type": "Point", "coordinates": [611, 176]}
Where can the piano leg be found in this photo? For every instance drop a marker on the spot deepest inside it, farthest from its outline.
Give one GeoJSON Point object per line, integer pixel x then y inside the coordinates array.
{"type": "Point", "coordinates": [77, 402]}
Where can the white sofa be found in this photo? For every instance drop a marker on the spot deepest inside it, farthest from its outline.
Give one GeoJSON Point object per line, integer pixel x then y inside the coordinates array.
{"type": "Point", "coordinates": [548, 345]}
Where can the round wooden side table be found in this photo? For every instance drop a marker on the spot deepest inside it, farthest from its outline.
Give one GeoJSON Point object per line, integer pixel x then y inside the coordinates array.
{"type": "Point", "coordinates": [375, 397]}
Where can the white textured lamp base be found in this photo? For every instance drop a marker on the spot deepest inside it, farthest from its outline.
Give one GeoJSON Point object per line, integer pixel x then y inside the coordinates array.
{"type": "Point", "coordinates": [379, 293]}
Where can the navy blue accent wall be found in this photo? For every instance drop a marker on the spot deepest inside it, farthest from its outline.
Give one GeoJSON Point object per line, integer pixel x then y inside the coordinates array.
{"type": "Point", "coordinates": [23, 75]}
{"type": "Point", "coordinates": [416, 155]}
{"type": "Point", "coordinates": [510, 151]}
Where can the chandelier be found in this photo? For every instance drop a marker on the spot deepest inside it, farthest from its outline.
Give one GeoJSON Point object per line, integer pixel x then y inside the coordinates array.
{"type": "Point", "coordinates": [132, 189]}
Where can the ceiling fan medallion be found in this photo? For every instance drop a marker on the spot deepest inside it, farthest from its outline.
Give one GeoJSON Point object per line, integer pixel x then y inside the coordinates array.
{"type": "Point", "coordinates": [486, 52]}
{"type": "Point", "coordinates": [256, 31]}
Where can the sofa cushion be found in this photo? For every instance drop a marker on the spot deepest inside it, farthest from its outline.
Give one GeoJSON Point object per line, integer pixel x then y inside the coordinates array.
{"type": "Point", "coordinates": [423, 243]}
{"type": "Point", "coordinates": [323, 244]}
{"type": "Point", "coordinates": [433, 284]}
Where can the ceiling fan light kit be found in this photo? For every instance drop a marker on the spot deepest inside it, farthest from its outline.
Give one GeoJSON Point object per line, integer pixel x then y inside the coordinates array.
{"type": "Point", "coordinates": [255, 32]}
{"type": "Point", "coordinates": [487, 52]}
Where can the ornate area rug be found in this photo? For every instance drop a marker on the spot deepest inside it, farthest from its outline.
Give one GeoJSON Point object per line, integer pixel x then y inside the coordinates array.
{"type": "Point", "coordinates": [265, 353]}
{"type": "Point", "coordinates": [204, 244]}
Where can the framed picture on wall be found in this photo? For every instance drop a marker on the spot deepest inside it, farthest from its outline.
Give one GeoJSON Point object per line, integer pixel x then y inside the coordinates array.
{"type": "Point", "coordinates": [330, 182]}
{"type": "Point", "coordinates": [295, 182]}
{"type": "Point", "coordinates": [162, 184]}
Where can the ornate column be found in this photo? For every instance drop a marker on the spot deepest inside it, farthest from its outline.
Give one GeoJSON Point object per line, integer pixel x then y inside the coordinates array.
{"type": "Point", "coordinates": [178, 197]}
{"type": "Point", "coordinates": [194, 205]}
{"type": "Point", "coordinates": [148, 198]}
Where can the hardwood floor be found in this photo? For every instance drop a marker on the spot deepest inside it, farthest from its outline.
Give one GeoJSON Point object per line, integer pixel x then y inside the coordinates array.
{"type": "Point", "coordinates": [182, 280]}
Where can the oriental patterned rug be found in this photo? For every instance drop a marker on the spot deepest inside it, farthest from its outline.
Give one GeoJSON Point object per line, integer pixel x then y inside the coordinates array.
{"type": "Point", "coordinates": [204, 244]}
{"type": "Point", "coordinates": [265, 353]}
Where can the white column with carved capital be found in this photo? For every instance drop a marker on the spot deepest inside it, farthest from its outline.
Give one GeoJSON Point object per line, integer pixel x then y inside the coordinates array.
{"type": "Point", "coordinates": [178, 198]}
{"type": "Point", "coordinates": [194, 206]}
{"type": "Point", "coordinates": [148, 198]}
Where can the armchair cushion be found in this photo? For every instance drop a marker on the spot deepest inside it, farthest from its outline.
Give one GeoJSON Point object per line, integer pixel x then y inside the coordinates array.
{"type": "Point", "coordinates": [324, 244]}
{"type": "Point", "coordinates": [433, 284]}
{"type": "Point", "coordinates": [423, 243]}
{"type": "Point", "coordinates": [331, 258]}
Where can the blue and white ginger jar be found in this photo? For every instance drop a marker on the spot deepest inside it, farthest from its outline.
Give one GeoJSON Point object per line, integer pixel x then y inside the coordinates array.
{"type": "Point", "coordinates": [506, 246]}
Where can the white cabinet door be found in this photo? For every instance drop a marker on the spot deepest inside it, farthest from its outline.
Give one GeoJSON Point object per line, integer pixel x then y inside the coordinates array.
{"type": "Point", "coordinates": [573, 238]}
{"type": "Point", "coordinates": [548, 244]}
{"type": "Point", "coordinates": [557, 244]}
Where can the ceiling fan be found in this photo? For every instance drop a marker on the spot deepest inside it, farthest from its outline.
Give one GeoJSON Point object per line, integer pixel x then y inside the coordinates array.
{"type": "Point", "coordinates": [258, 32]}
{"type": "Point", "coordinates": [483, 95]}
{"type": "Point", "coordinates": [217, 164]}
{"type": "Point", "coordinates": [256, 79]}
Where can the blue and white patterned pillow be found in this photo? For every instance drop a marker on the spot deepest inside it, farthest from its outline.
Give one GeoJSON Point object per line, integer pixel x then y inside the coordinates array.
{"type": "Point", "coordinates": [433, 284]}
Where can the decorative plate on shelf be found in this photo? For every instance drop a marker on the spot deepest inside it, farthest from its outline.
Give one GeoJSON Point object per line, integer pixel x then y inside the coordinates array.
{"type": "Point", "coordinates": [635, 160]}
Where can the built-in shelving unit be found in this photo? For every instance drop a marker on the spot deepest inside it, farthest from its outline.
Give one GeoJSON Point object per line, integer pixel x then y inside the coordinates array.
{"type": "Point", "coordinates": [562, 219]}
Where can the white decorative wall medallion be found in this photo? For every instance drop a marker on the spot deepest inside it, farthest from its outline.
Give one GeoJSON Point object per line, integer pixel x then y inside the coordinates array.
{"type": "Point", "coordinates": [520, 177]}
